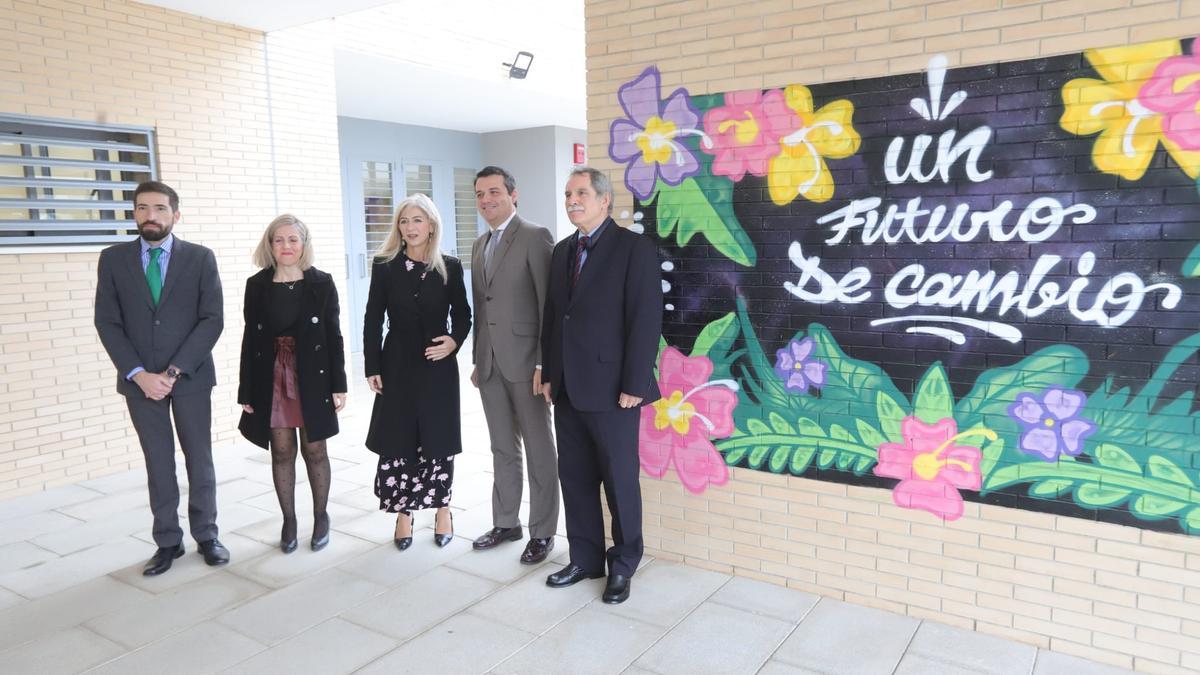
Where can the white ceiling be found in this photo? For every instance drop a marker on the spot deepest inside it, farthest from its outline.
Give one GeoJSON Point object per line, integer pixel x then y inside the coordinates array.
{"type": "Point", "coordinates": [438, 64]}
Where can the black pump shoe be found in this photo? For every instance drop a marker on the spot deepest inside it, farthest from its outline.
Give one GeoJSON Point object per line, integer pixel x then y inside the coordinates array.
{"type": "Point", "coordinates": [320, 538]}
{"type": "Point", "coordinates": [403, 543]}
{"type": "Point", "coordinates": [443, 540]}
{"type": "Point", "coordinates": [287, 536]}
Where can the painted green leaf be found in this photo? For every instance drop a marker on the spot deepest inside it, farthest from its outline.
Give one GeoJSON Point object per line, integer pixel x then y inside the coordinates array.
{"type": "Point", "coordinates": [780, 425]}
{"type": "Point", "coordinates": [869, 434]}
{"type": "Point", "coordinates": [1096, 495]}
{"type": "Point", "coordinates": [863, 464]}
{"type": "Point", "coordinates": [1191, 266]}
{"type": "Point", "coordinates": [808, 427]}
{"type": "Point", "coordinates": [1192, 522]}
{"type": "Point", "coordinates": [1060, 365]}
{"type": "Point", "coordinates": [801, 459]}
{"type": "Point", "coordinates": [844, 460]}
{"type": "Point", "coordinates": [839, 432]}
{"type": "Point", "coordinates": [724, 328]}
{"type": "Point", "coordinates": [757, 455]}
{"type": "Point", "coordinates": [991, 454]}
{"type": "Point", "coordinates": [1161, 467]}
{"type": "Point", "coordinates": [1113, 457]}
{"type": "Point", "coordinates": [779, 458]}
{"type": "Point", "coordinates": [1156, 506]}
{"type": "Point", "coordinates": [825, 459]}
{"type": "Point", "coordinates": [1050, 488]}
{"type": "Point", "coordinates": [933, 401]}
{"type": "Point", "coordinates": [704, 205]}
{"type": "Point", "coordinates": [736, 455]}
{"type": "Point", "coordinates": [890, 415]}
{"type": "Point", "coordinates": [757, 427]}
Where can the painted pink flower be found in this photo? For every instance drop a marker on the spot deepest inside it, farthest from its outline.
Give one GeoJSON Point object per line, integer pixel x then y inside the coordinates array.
{"type": "Point", "coordinates": [1174, 91]}
{"type": "Point", "coordinates": [677, 428]}
{"type": "Point", "coordinates": [745, 132]}
{"type": "Point", "coordinates": [931, 468]}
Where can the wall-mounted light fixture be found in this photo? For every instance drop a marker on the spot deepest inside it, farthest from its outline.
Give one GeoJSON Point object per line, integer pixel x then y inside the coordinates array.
{"type": "Point", "coordinates": [519, 68]}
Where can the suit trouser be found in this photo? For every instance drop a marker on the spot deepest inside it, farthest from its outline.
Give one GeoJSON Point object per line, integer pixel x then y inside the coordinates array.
{"type": "Point", "coordinates": [514, 414]}
{"type": "Point", "coordinates": [594, 449]}
{"type": "Point", "coordinates": [193, 420]}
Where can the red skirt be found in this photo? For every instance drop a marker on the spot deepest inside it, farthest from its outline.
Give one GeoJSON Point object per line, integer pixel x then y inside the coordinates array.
{"type": "Point", "coordinates": [285, 400]}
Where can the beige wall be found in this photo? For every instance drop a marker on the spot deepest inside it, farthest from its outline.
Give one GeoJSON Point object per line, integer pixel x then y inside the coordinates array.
{"type": "Point", "coordinates": [1116, 594]}
{"type": "Point", "coordinates": [246, 128]}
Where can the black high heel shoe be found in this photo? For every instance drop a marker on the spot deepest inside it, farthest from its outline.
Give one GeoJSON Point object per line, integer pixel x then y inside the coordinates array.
{"type": "Point", "coordinates": [287, 536]}
{"type": "Point", "coordinates": [403, 543]}
{"type": "Point", "coordinates": [320, 538]}
{"type": "Point", "coordinates": [443, 540]}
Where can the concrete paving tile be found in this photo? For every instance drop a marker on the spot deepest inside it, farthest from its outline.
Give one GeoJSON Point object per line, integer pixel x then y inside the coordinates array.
{"type": "Point", "coordinates": [239, 490]}
{"type": "Point", "coordinates": [464, 643]}
{"type": "Point", "coordinates": [664, 592]}
{"type": "Point", "coordinates": [593, 640]}
{"type": "Point", "coordinates": [362, 499]}
{"type": "Point", "coordinates": [774, 667]}
{"type": "Point", "coordinates": [279, 615]}
{"type": "Point", "coordinates": [279, 570]}
{"type": "Point", "coordinates": [389, 567]}
{"type": "Point", "coordinates": [376, 527]}
{"type": "Point", "coordinates": [335, 646]}
{"type": "Point", "coordinates": [60, 573]}
{"type": "Point", "coordinates": [121, 481]}
{"type": "Point", "coordinates": [204, 648]}
{"type": "Point", "coordinates": [176, 609]}
{"type": "Point", "coordinates": [22, 554]}
{"type": "Point", "coordinates": [85, 535]}
{"type": "Point", "coordinates": [266, 527]}
{"type": "Point", "coordinates": [535, 608]}
{"type": "Point", "coordinates": [71, 651]}
{"type": "Point", "coordinates": [106, 506]}
{"type": "Point", "coordinates": [10, 599]}
{"type": "Point", "coordinates": [918, 664]}
{"type": "Point", "coordinates": [1055, 663]}
{"type": "Point", "coordinates": [831, 636]}
{"type": "Point", "coordinates": [46, 616]}
{"type": "Point", "coordinates": [503, 563]}
{"type": "Point", "coordinates": [716, 639]}
{"type": "Point", "coordinates": [967, 649]}
{"type": "Point", "coordinates": [34, 525]}
{"type": "Point", "coordinates": [424, 601]}
{"type": "Point", "coordinates": [760, 597]}
{"type": "Point", "coordinates": [191, 566]}
{"type": "Point", "coordinates": [38, 502]}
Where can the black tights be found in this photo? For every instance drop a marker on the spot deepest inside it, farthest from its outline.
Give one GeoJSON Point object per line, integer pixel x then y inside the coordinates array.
{"type": "Point", "coordinates": [283, 470]}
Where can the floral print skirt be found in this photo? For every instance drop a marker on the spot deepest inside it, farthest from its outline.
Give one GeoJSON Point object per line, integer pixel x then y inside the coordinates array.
{"type": "Point", "coordinates": [404, 487]}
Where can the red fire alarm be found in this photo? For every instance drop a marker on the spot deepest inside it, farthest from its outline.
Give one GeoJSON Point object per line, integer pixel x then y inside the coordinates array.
{"type": "Point", "coordinates": [580, 153]}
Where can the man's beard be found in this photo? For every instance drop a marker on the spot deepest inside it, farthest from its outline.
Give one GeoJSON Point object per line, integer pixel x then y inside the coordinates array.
{"type": "Point", "coordinates": [153, 235]}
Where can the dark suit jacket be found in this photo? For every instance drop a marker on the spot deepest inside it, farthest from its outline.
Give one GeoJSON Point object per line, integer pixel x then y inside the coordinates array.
{"type": "Point", "coordinates": [182, 330]}
{"type": "Point", "coordinates": [420, 401]}
{"type": "Point", "coordinates": [509, 302]}
{"type": "Point", "coordinates": [601, 340]}
{"type": "Point", "coordinates": [320, 357]}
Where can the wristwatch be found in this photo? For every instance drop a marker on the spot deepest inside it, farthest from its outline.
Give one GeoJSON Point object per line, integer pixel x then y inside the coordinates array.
{"type": "Point", "coordinates": [173, 373]}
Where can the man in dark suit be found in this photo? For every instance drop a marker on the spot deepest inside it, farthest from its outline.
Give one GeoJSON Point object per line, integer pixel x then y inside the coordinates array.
{"type": "Point", "coordinates": [600, 334]}
{"type": "Point", "coordinates": [511, 267]}
{"type": "Point", "coordinates": [159, 312]}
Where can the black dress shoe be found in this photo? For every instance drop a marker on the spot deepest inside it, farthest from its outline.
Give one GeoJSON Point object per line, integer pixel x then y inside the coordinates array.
{"type": "Point", "coordinates": [320, 538]}
{"type": "Point", "coordinates": [287, 536]}
{"type": "Point", "coordinates": [402, 543]}
{"type": "Point", "coordinates": [443, 540]}
{"type": "Point", "coordinates": [214, 552]}
{"type": "Point", "coordinates": [497, 536]}
{"type": "Point", "coordinates": [616, 590]}
{"type": "Point", "coordinates": [569, 576]}
{"type": "Point", "coordinates": [537, 550]}
{"type": "Point", "coordinates": [161, 560]}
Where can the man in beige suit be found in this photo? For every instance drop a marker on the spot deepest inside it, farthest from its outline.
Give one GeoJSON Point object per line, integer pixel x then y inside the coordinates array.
{"type": "Point", "coordinates": [510, 267]}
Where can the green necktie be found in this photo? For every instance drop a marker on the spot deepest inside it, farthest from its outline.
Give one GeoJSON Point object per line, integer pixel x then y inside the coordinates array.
{"type": "Point", "coordinates": [154, 274]}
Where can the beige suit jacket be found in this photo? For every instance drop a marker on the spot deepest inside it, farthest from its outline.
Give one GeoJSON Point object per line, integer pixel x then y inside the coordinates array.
{"type": "Point", "coordinates": [509, 302]}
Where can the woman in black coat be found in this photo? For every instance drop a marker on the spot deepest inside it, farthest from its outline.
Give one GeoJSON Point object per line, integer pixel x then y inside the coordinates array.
{"type": "Point", "coordinates": [415, 426]}
{"type": "Point", "coordinates": [293, 374]}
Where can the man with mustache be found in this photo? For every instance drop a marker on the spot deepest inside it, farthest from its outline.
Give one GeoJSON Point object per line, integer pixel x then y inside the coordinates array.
{"type": "Point", "coordinates": [600, 333]}
{"type": "Point", "coordinates": [159, 313]}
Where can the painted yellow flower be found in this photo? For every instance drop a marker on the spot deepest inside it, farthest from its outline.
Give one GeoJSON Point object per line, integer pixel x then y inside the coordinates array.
{"type": "Point", "coordinates": [799, 168]}
{"type": "Point", "coordinates": [1129, 131]}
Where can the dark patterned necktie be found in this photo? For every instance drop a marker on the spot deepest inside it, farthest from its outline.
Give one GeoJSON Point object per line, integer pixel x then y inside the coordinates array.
{"type": "Point", "coordinates": [581, 246]}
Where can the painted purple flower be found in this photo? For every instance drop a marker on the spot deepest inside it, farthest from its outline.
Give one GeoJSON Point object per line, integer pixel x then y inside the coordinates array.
{"type": "Point", "coordinates": [646, 139]}
{"type": "Point", "coordinates": [796, 369]}
{"type": "Point", "coordinates": [1051, 426]}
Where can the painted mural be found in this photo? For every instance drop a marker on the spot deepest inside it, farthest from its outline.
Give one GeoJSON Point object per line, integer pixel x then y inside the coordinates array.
{"type": "Point", "coordinates": [963, 284]}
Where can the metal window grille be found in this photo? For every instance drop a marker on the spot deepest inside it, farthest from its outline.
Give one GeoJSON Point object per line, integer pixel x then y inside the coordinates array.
{"type": "Point", "coordinates": [418, 178]}
{"type": "Point", "coordinates": [377, 203]}
{"type": "Point", "coordinates": [65, 182]}
{"type": "Point", "coordinates": [466, 220]}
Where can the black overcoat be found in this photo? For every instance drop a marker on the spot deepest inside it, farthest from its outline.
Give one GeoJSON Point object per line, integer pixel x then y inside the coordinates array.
{"type": "Point", "coordinates": [419, 406]}
{"type": "Point", "coordinates": [320, 357]}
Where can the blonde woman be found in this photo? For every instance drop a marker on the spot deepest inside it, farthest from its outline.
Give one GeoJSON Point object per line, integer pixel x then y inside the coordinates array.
{"type": "Point", "coordinates": [293, 375]}
{"type": "Point", "coordinates": [414, 374]}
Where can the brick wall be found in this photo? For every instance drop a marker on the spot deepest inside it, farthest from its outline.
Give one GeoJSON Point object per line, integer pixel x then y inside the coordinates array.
{"type": "Point", "coordinates": [246, 128]}
{"type": "Point", "coordinates": [1118, 591]}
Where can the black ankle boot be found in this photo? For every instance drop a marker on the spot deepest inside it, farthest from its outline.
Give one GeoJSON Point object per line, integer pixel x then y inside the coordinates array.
{"type": "Point", "coordinates": [287, 536]}
{"type": "Point", "coordinates": [320, 538]}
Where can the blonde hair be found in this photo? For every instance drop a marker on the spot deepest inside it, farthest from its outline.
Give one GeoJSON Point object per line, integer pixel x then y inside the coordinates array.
{"type": "Point", "coordinates": [395, 244]}
{"type": "Point", "coordinates": [263, 257]}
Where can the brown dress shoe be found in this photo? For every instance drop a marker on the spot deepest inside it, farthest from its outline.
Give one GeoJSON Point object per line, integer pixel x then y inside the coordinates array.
{"type": "Point", "coordinates": [537, 550]}
{"type": "Point", "coordinates": [497, 536]}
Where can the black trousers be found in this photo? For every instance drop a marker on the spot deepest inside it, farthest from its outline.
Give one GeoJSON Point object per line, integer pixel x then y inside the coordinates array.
{"type": "Point", "coordinates": [600, 449]}
{"type": "Point", "coordinates": [193, 421]}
